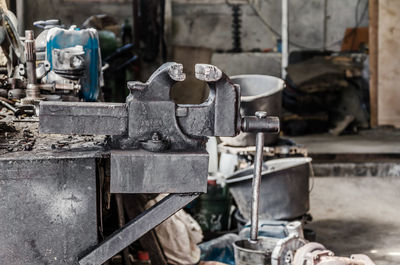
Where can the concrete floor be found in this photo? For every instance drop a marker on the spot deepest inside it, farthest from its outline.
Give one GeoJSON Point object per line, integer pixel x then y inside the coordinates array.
{"type": "Point", "coordinates": [378, 141]}
{"type": "Point", "coordinates": [358, 215]}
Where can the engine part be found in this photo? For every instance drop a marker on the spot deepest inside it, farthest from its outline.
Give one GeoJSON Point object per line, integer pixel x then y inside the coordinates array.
{"type": "Point", "coordinates": [30, 55]}
{"type": "Point", "coordinates": [41, 40]}
{"type": "Point", "coordinates": [32, 88]}
{"type": "Point", "coordinates": [316, 254]}
{"type": "Point", "coordinates": [74, 57]}
{"type": "Point", "coordinates": [10, 42]}
{"type": "Point", "coordinates": [16, 93]}
{"type": "Point", "coordinates": [275, 245]}
{"type": "Point", "coordinates": [285, 249]}
{"type": "Point", "coordinates": [157, 146]}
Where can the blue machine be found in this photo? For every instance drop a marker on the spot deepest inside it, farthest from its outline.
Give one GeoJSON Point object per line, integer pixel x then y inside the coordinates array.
{"type": "Point", "coordinates": [73, 59]}
{"type": "Point", "coordinates": [88, 69]}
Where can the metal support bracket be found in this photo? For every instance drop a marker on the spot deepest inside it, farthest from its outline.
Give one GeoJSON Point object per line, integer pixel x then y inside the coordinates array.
{"type": "Point", "coordinates": [137, 228]}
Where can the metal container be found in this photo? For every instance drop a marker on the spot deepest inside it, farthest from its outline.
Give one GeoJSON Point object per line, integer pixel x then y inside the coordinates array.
{"type": "Point", "coordinates": [247, 253]}
{"type": "Point", "coordinates": [258, 93]}
{"type": "Point", "coordinates": [284, 190]}
{"type": "Point", "coordinates": [212, 209]}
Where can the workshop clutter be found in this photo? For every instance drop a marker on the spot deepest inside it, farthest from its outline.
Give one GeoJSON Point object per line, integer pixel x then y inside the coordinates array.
{"type": "Point", "coordinates": [59, 64]}
{"type": "Point", "coordinates": [282, 212]}
{"type": "Point", "coordinates": [152, 136]}
{"type": "Point", "coordinates": [189, 163]}
{"type": "Point", "coordinates": [326, 92]}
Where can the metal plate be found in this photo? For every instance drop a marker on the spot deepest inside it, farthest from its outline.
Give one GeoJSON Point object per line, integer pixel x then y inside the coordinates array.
{"type": "Point", "coordinates": [48, 209]}
{"type": "Point", "coordinates": [139, 171]}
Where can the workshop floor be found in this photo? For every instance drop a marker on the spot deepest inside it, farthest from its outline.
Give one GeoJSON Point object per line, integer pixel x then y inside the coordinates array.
{"type": "Point", "coordinates": [358, 215]}
{"type": "Point", "coordinates": [375, 141]}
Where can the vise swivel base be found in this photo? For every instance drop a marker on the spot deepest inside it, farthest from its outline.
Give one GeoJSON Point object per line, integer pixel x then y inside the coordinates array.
{"type": "Point", "coordinates": [156, 146]}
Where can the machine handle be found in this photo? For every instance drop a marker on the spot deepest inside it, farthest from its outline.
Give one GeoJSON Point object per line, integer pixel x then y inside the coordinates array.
{"type": "Point", "coordinates": [266, 124]}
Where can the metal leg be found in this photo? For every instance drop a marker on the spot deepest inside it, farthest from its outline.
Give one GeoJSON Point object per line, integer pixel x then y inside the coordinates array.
{"type": "Point", "coordinates": [137, 228]}
{"type": "Point", "coordinates": [121, 222]}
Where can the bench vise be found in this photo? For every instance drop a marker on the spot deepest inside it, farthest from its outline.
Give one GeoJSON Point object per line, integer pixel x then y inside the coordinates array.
{"type": "Point", "coordinates": [157, 146]}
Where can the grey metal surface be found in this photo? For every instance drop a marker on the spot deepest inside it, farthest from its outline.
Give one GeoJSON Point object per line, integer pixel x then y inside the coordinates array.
{"type": "Point", "coordinates": [140, 171]}
{"type": "Point", "coordinates": [83, 118]}
{"type": "Point", "coordinates": [137, 228]}
{"type": "Point", "coordinates": [284, 192]}
{"type": "Point", "coordinates": [48, 210]}
{"type": "Point", "coordinates": [145, 118]}
{"type": "Point", "coordinates": [255, 194]}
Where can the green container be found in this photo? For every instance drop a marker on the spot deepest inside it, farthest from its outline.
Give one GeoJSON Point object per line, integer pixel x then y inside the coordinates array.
{"type": "Point", "coordinates": [212, 209]}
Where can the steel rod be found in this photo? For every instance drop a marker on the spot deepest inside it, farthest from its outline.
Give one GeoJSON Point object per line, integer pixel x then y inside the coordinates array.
{"type": "Point", "coordinates": [258, 161]}
{"type": "Point", "coordinates": [285, 37]}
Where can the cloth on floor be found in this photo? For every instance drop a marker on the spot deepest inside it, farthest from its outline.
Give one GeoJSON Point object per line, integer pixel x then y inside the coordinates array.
{"type": "Point", "coordinates": [179, 236]}
{"type": "Point", "coordinates": [219, 249]}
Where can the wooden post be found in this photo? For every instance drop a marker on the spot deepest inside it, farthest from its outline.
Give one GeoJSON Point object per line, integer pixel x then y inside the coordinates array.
{"type": "Point", "coordinates": [373, 60]}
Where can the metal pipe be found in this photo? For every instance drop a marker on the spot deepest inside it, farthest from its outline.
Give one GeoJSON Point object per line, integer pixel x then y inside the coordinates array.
{"type": "Point", "coordinates": [325, 37]}
{"type": "Point", "coordinates": [285, 38]}
{"type": "Point", "coordinates": [30, 55]}
{"type": "Point", "coordinates": [32, 88]}
{"type": "Point", "coordinates": [8, 106]}
{"type": "Point", "coordinates": [121, 222]}
{"type": "Point", "coordinates": [258, 161]}
{"type": "Point", "coordinates": [21, 16]}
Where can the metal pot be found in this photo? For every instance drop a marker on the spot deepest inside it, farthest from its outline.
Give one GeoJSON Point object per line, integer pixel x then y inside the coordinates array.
{"type": "Point", "coordinates": [258, 93]}
{"type": "Point", "coordinates": [247, 253]}
{"type": "Point", "coordinates": [284, 192]}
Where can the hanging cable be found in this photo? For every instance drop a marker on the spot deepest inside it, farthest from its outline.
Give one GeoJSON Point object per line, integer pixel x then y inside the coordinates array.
{"type": "Point", "coordinates": [236, 25]}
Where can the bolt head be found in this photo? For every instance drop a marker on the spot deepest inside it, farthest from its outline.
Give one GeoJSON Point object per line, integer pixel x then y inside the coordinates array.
{"type": "Point", "coordinates": [155, 137]}
{"type": "Point", "coordinates": [261, 114]}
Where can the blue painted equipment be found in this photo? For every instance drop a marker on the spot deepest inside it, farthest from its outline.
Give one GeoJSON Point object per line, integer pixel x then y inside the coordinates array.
{"type": "Point", "coordinates": [74, 58]}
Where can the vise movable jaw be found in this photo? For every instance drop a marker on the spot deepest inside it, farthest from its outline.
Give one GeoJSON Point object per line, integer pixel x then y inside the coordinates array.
{"type": "Point", "coordinates": [158, 146]}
